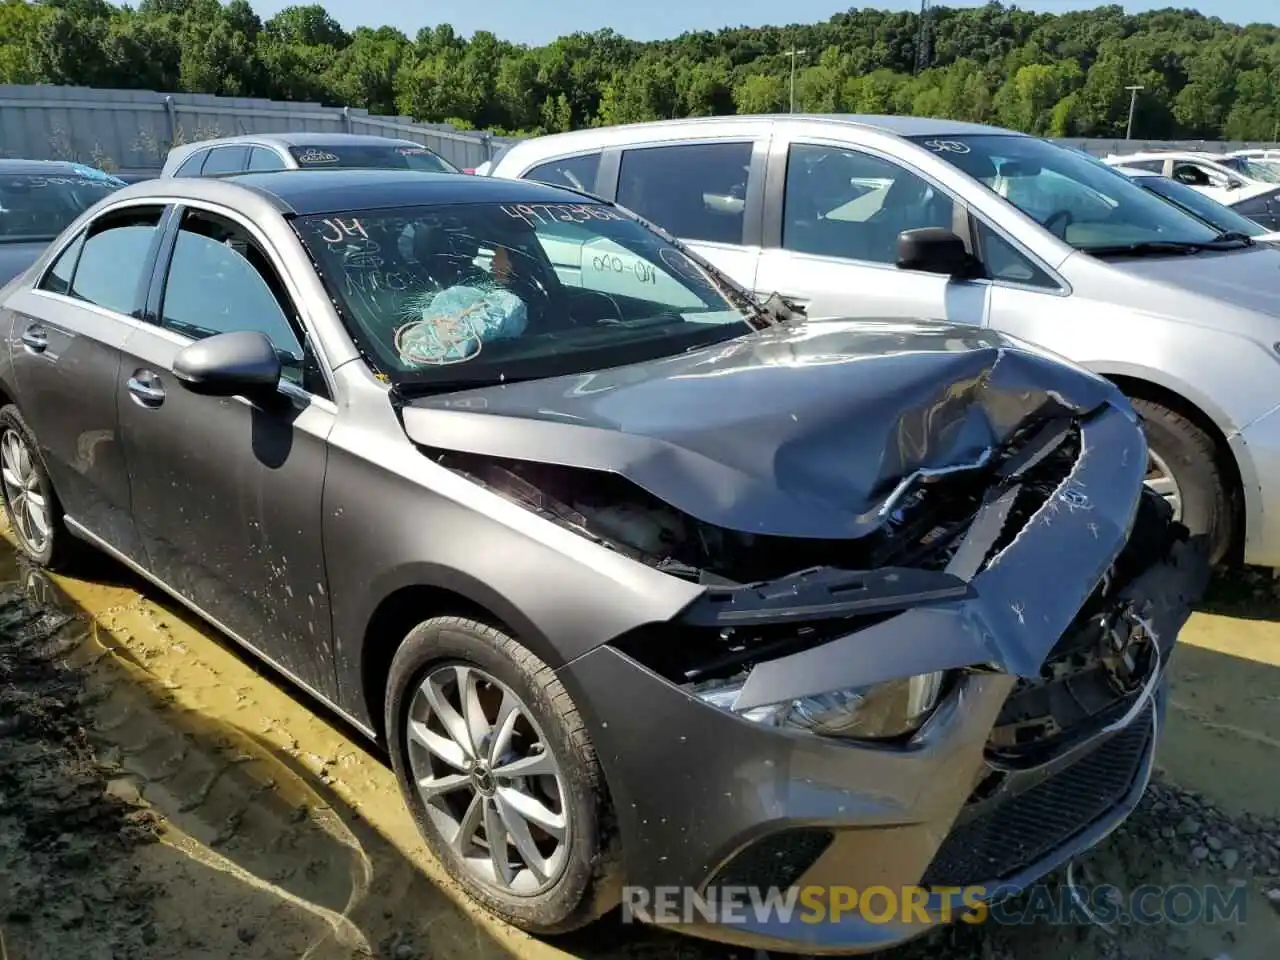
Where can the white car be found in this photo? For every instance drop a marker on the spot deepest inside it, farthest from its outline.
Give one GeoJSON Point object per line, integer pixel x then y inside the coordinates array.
{"type": "Point", "coordinates": [1215, 177]}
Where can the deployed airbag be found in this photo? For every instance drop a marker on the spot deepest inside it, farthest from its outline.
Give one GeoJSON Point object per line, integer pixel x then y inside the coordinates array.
{"type": "Point", "coordinates": [457, 322]}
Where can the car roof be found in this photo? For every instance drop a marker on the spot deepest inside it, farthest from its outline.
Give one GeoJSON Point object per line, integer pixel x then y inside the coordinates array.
{"type": "Point", "coordinates": [895, 125]}
{"type": "Point", "coordinates": [330, 191]}
{"type": "Point", "coordinates": [305, 139]}
{"type": "Point", "coordinates": [9, 167]}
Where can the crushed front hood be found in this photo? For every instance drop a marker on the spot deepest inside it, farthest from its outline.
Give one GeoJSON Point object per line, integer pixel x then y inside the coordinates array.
{"type": "Point", "coordinates": [799, 432]}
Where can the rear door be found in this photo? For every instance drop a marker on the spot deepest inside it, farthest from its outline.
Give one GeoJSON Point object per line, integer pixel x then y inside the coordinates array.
{"type": "Point", "coordinates": [66, 353]}
{"type": "Point", "coordinates": [708, 192]}
{"type": "Point", "coordinates": [832, 216]}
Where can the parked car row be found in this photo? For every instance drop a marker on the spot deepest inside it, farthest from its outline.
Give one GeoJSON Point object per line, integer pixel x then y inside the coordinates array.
{"type": "Point", "coordinates": [1250, 187]}
{"type": "Point", "coordinates": [788, 550]}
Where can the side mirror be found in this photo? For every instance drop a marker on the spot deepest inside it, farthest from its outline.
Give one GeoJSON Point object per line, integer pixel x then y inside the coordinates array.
{"type": "Point", "coordinates": [935, 250]}
{"type": "Point", "coordinates": [241, 363]}
{"type": "Point", "coordinates": [1234, 184]}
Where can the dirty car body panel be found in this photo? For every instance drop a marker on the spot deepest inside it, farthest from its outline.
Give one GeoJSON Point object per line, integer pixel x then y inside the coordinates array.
{"type": "Point", "coordinates": [707, 539]}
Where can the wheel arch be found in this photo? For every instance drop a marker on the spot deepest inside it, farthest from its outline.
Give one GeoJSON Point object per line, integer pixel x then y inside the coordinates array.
{"type": "Point", "coordinates": [423, 592]}
{"type": "Point", "coordinates": [1176, 397]}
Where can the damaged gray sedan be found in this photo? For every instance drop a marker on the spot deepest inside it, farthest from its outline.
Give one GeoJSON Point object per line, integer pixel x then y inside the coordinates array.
{"type": "Point", "coordinates": [639, 581]}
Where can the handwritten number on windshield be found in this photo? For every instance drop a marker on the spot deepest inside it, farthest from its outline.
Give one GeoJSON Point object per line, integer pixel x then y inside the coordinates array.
{"type": "Point", "coordinates": [340, 230]}
{"type": "Point", "coordinates": [537, 214]}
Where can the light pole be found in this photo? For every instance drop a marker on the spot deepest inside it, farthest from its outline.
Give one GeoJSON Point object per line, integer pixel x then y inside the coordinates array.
{"type": "Point", "coordinates": [1133, 102]}
{"type": "Point", "coordinates": [793, 53]}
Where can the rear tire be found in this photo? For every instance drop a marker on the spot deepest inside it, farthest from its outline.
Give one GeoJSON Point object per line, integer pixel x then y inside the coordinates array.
{"type": "Point", "coordinates": [30, 503]}
{"type": "Point", "coordinates": [452, 662]}
{"type": "Point", "coordinates": [1191, 458]}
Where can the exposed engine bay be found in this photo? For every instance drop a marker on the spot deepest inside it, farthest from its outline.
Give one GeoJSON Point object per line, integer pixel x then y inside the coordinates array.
{"type": "Point", "coordinates": [771, 595]}
{"type": "Point", "coordinates": [921, 529]}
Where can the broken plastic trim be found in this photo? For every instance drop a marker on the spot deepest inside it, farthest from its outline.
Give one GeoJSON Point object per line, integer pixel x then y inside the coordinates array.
{"type": "Point", "coordinates": [823, 593]}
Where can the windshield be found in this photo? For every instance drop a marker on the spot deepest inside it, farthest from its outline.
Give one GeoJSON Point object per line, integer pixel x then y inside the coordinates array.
{"type": "Point", "coordinates": [39, 207]}
{"type": "Point", "coordinates": [451, 296]}
{"type": "Point", "coordinates": [1080, 200]}
{"type": "Point", "coordinates": [393, 156]}
{"type": "Point", "coordinates": [1206, 208]}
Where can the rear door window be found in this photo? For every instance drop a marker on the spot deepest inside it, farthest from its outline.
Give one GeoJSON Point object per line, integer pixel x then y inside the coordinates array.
{"type": "Point", "coordinates": [116, 259]}
{"type": "Point", "coordinates": [262, 160]}
{"type": "Point", "coordinates": [58, 279]}
{"type": "Point", "coordinates": [694, 191]}
{"type": "Point", "coordinates": [191, 166]}
{"type": "Point", "coordinates": [224, 160]}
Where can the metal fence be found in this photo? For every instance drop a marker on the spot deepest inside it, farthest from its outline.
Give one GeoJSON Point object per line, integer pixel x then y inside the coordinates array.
{"type": "Point", "coordinates": [132, 130]}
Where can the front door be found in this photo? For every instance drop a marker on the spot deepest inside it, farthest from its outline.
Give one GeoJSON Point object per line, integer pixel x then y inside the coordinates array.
{"type": "Point", "coordinates": [67, 335]}
{"type": "Point", "coordinates": [834, 247]}
{"type": "Point", "coordinates": [227, 493]}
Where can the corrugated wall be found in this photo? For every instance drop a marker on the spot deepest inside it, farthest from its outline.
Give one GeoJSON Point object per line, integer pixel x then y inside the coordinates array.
{"type": "Point", "coordinates": [132, 130]}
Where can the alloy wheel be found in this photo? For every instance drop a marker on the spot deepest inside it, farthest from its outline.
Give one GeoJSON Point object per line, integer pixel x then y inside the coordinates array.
{"type": "Point", "coordinates": [1161, 479]}
{"type": "Point", "coordinates": [28, 507]}
{"type": "Point", "coordinates": [488, 779]}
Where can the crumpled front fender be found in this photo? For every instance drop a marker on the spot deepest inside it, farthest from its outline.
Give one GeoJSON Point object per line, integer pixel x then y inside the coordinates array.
{"type": "Point", "coordinates": [1021, 602]}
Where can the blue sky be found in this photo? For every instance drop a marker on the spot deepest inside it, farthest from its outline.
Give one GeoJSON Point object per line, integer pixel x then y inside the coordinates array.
{"type": "Point", "coordinates": [538, 21]}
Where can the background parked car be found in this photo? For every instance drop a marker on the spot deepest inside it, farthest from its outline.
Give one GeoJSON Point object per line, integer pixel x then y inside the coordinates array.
{"type": "Point", "coordinates": [1198, 204]}
{"type": "Point", "coordinates": [261, 153]}
{"type": "Point", "coordinates": [1257, 199]}
{"type": "Point", "coordinates": [1022, 235]}
{"type": "Point", "coordinates": [38, 198]}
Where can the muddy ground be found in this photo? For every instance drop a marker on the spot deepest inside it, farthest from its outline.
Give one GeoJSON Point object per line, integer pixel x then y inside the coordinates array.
{"type": "Point", "coordinates": [161, 796]}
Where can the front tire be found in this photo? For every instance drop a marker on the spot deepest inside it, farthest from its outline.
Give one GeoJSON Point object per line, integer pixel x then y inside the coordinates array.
{"type": "Point", "coordinates": [486, 742]}
{"type": "Point", "coordinates": [1185, 468]}
{"type": "Point", "coordinates": [34, 512]}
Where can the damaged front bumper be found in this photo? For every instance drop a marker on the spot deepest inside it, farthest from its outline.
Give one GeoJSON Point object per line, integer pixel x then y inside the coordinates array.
{"type": "Point", "coordinates": [980, 794]}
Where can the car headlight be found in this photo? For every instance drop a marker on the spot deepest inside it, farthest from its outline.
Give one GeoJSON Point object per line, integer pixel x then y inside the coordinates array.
{"type": "Point", "coordinates": [881, 711]}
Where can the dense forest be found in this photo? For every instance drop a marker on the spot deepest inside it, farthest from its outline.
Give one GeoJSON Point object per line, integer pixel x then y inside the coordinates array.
{"type": "Point", "coordinates": [1060, 75]}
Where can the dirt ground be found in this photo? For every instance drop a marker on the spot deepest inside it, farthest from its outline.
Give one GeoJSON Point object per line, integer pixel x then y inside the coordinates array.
{"type": "Point", "coordinates": [163, 796]}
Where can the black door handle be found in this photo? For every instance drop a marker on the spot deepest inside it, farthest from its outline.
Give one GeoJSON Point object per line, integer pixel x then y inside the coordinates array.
{"type": "Point", "coordinates": [35, 338]}
{"type": "Point", "coordinates": [146, 388]}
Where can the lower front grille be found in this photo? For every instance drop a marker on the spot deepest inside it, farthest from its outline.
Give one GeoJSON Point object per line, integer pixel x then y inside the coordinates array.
{"type": "Point", "coordinates": [778, 860]}
{"type": "Point", "coordinates": [1009, 837]}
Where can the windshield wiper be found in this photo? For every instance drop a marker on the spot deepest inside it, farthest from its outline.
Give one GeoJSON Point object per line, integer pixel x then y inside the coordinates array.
{"type": "Point", "coordinates": [781, 309]}
{"type": "Point", "coordinates": [1234, 236]}
{"type": "Point", "coordinates": [1148, 248]}
{"type": "Point", "coordinates": [1158, 248]}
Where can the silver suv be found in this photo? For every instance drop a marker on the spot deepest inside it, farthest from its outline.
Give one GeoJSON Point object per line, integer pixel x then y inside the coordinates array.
{"type": "Point", "coordinates": [1003, 230]}
{"type": "Point", "coordinates": [267, 152]}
